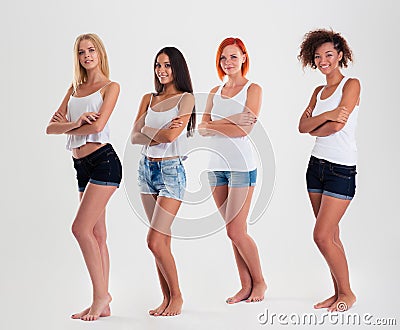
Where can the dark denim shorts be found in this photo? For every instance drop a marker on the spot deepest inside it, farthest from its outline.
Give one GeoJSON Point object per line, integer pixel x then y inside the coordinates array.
{"type": "Point", "coordinates": [101, 167]}
{"type": "Point", "coordinates": [165, 178]}
{"type": "Point", "coordinates": [234, 179]}
{"type": "Point", "coordinates": [331, 179]}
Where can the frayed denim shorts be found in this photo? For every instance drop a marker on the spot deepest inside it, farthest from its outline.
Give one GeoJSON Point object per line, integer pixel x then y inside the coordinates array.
{"type": "Point", "coordinates": [165, 178]}
{"type": "Point", "coordinates": [234, 179]}
{"type": "Point", "coordinates": [331, 179]}
{"type": "Point", "coordinates": [101, 167]}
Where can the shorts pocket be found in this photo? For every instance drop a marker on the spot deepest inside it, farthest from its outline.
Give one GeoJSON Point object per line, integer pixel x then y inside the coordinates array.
{"type": "Point", "coordinates": [343, 172]}
{"type": "Point", "coordinates": [169, 170]}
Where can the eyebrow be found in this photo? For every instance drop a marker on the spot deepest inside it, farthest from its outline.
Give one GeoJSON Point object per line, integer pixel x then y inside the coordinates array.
{"type": "Point", "coordinates": [92, 47]}
{"type": "Point", "coordinates": [328, 51]}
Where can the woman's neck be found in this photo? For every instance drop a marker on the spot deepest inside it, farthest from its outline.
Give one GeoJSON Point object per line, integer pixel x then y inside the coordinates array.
{"type": "Point", "coordinates": [334, 78]}
{"type": "Point", "coordinates": [169, 89]}
{"type": "Point", "coordinates": [236, 80]}
{"type": "Point", "coordinates": [95, 76]}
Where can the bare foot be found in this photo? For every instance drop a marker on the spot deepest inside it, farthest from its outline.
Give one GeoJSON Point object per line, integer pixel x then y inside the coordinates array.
{"type": "Point", "coordinates": [174, 307]}
{"type": "Point", "coordinates": [99, 304]}
{"type": "Point", "coordinates": [257, 292]}
{"type": "Point", "coordinates": [243, 294]}
{"type": "Point", "coordinates": [106, 312]}
{"type": "Point", "coordinates": [343, 303]}
{"type": "Point", "coordinates": [158, 311]}
{"type": "Point", "coordinates": [326, 303]}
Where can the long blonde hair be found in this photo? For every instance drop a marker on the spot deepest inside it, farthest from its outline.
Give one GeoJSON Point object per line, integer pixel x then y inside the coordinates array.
{"type": "Point", "coordinates": [80, 74]}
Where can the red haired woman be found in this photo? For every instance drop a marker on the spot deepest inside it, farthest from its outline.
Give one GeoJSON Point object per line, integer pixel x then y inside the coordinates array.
{"type": "Point", "coordinates": [230, 114]}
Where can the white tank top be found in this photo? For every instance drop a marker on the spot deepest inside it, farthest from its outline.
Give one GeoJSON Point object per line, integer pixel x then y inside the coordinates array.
{"type": "Point", "coordinates": [230, 153]}
{"type": "Point", "coordinates": [339, 147]}
{"type": "Point", "coordinates": [160, 119]}
{"type": "Point", "coordinates": [76, 107]}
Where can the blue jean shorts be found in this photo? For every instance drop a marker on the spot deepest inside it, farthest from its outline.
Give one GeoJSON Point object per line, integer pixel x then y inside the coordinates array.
{"type": "Point", "coordinates": [101, 167]}
{"type": "Point", "coordinates": [165, 178]}
{"type": "Point", "coordinates": [331, 179]}
{"type": "Point", "coordinates": [234, 179]}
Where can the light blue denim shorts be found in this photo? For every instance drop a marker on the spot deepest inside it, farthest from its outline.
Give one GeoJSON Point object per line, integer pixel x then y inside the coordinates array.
{"type": "Point", "coordinates": [234, 179]}
{"type": "Point", "coordinates": [166, 178]}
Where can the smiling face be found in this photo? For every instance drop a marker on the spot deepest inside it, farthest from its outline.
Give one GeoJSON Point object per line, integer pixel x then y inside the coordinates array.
{"type": "Point", "coordinates": [232, 59]}
{"type": "Point", "coordinates": [327, 58]}
{"type": "Point", "coordinates": [163, 69]}
{"type": "Point", "coordinates": [88, 55]}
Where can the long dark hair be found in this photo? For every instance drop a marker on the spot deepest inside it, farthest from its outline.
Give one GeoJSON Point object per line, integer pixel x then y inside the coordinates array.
{"type": "Point", "coordinates": [182, 80]}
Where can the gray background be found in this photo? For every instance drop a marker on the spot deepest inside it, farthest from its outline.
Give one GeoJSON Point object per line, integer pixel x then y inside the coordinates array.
{"type": "Point", "coordinates": [43, 278]}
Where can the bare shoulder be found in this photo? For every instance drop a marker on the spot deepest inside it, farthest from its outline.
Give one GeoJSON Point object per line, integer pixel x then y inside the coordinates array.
{"type": "Point", "coordinates": [188, 97]}
{"type": "Point", "coordinates": [318, 89]}
{"type": "Point", "coordinates": [187, 103]}
{"type": "Point", "coordinates": [146, 98]}
{"type": "Point", "coordinates": [214, 90]}
{"type": "Point", "coordinates": [113, 86]}
{"type": "Point", "coordinates": [352, 83]}
{"type": "Point", "coordinates": [255, 88]}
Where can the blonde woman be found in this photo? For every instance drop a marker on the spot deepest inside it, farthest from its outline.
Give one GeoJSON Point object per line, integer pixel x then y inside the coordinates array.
{"type": "Point", "coordinates": [83, 116]}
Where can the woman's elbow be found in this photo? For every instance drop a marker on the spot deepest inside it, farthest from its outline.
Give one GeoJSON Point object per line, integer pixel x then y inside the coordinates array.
{"type": "Point", "coordinates": [97, 127]}
{"type": "Point", "coordinates": [336, 127]}
{"type": "Point", "coordinates": [302, 129]}
{"type": "Point", "coordinates": [50, 129]}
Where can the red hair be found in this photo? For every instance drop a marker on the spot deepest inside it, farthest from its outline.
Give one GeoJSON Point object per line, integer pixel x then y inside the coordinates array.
{"type": "Point", "coordinates": [231, 41]}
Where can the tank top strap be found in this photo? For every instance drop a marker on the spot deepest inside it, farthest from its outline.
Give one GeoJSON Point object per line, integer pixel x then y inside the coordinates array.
{"type": "Point", "coordinates": [151, 99]}
{"type": "Point", "coordinates": [218, 91]}
{"type": "Point", "coordinates": [105, 85]}
{"type": "Point", "coordinates": [342, 83]}
{"type": "Point", "coordinates": [179, 101]}
{"type": "Point", "coordinates": [247, 85]}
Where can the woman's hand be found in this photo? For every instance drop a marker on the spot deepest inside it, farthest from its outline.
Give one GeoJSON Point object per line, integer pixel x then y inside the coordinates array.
{"type": "Point", "coordinates": [204, 131]}
{"type": "Point", "coordinates": [340, 115]}
{"type": "Point", "coordinates": [87, 118]}
{"type": "Point", "coordinates": [308, 112]}
{"type": "Point", "coordinates": [175, 123]}
{"type": "Point", "coordinates": [58, 117]}
{"type": "Point", "coordinates": [243, 119]}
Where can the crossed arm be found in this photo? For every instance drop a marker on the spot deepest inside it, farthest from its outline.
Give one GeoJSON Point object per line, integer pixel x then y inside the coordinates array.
{"type": "Point", "coordinates": [236, 125]}
{"type": "Point", "coordinates": [145, 135]}
{"type": "Point", "coordinates": [88, 122]}
{"type": "Point", "coordinates": [332, 121]}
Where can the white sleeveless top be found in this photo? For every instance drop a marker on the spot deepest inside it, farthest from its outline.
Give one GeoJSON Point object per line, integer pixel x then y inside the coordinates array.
{"type": "Point", "coordinates": [339, 147]}
{"type": "Point", "coordinates": [160, 119]}
{"type": "Point", "coordinates": [76, 107]}
{"type": "Point", "coordinates": [230, 153]}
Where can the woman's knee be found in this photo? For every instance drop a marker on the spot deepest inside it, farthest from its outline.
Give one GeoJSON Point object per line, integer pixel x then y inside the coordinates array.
{"type": "Point", "coordinates": [236, 236]}
{"type": "Point", "coordinates": [77, 230]}
{"type": "Point", "coordinates": [322, 239]}
{"type": "Point", "coordinates": [80, 230]}
{"type": "Point", "coordinates": [156, 245]}
{"type": "Point", "coordinates": [101, 236]}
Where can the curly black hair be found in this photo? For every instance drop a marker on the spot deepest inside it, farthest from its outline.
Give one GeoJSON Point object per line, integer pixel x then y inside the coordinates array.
{"type": "Point", "coordinates": [313, 39]}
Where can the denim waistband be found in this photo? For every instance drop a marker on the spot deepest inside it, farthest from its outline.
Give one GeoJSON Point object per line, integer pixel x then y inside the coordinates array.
{"type": "Point", "coordinates": [323, 161]}
{"type": "Point", "coordinates": [94, 154]}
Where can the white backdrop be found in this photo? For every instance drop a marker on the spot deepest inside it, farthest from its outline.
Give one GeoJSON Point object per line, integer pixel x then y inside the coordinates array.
{"type": "Point", "coordinates": [43, 278]}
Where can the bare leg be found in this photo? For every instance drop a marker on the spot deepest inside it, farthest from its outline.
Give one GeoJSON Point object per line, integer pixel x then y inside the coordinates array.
{"type": "Point", "coordinates": [315, 199]}
{"type": "Point", "coordinates": [220, 194]}
{"type": "Point", "coordinates": [236, 211]}
{"type": "Point", "coordinates": [100, 233]}
{"type": "Point", "coordinates": [159, 242]}
{"type": "Point", "coordinates": [326, 236]}
{"type": "Point", "coordinates": [149, 203]}
{"type": "Point", "coordinates": [90, 211]}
